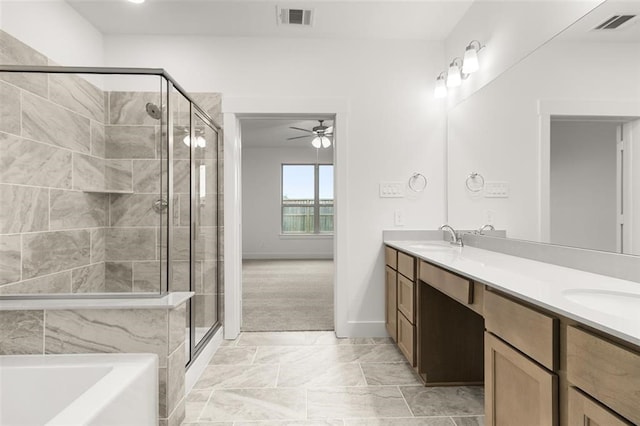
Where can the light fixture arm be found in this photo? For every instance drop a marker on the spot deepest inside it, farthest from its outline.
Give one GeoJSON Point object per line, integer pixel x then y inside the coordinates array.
{"type": "Point", "coordinates": [471, 45]}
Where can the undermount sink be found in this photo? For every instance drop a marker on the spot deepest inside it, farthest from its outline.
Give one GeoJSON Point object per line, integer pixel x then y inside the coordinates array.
{"type": "Point", "coordinates": [617, 303]}
{"type": "Point", "coordinates": [435, 246]}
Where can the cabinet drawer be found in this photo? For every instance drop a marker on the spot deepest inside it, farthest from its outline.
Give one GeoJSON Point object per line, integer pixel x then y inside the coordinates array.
{"type": "Point", "coordinates": [407, 338]}
{"type": "Point", "coordinates": [585, 411]}
{"type": "Point", "coordinates": [528, 330]}
{"type": "Point", "coordinates": [606, 371]}
{"type": "Point", "coordinates": [406, 298]}
{"type": "Point", "coordinates": [391, 257]}
{"type": "Point", "coordinates": [406, 265]}
{"type": "Point", "coordinates": [450, 284]}
{"type": "Point", "coordinates": [517, 390]}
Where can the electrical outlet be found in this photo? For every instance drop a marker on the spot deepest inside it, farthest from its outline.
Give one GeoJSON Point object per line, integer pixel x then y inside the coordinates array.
{"type": "Point", "coordinates": [398, 218]}
{"type": "Point", "coordinates": [489, 216]}
{"type": "Point", "coordinates": [391, 190]}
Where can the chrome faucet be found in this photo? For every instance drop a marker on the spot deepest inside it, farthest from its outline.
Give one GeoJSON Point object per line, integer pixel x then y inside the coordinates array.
{"type": "Point", "coordinates": [455, 238]}
{"type": "Point", "coordinates": [486, 227]}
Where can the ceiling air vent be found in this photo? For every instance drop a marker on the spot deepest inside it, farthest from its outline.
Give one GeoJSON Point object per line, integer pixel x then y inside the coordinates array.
{"type": "Point", "coordinates": [614, 22]}
{"type": "Point", "coordinates": [294, 16]}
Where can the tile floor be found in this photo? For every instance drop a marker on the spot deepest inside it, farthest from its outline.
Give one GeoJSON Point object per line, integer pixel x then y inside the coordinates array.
{"type": "Point", "coordinates": [313, 378]}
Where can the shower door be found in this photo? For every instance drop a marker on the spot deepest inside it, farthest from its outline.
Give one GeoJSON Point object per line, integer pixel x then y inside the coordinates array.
{"type": "Point", "coordinates": [204, 225]}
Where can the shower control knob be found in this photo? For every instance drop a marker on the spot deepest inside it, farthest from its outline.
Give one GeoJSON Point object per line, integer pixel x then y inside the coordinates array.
{"type": "Point", "coordinates": [160, 205]}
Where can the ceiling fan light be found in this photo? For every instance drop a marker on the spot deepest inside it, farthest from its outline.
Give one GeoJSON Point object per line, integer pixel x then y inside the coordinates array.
{"type": "Point", "coordinates": [326, 142]}
{"type": "Point", "coordinates": [187, 140]}
{"type": "Point", "coordinates": [316, 142]}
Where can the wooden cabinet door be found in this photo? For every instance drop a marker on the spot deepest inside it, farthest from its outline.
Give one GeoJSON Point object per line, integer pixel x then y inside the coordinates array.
{"type": "Point", "coordinates": [585, 411]}
{"type": "Point", "coordinates": [406, 299]}
{"type": "Point", "coordinates": [518, 391]}
{"type": "Point", "coordinates": [391, 313]}
{"type": "Point", "coordinates": [407, 339]}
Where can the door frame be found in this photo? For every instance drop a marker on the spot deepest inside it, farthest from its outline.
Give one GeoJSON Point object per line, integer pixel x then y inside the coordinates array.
{"type": "Point", "coordinates": [585, 108]}
{"type": "Point", "coordinates": [235, 109]}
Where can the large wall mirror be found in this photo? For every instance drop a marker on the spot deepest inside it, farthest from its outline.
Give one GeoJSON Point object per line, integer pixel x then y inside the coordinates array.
{"type": "Point", "coordinates": [556, 139]}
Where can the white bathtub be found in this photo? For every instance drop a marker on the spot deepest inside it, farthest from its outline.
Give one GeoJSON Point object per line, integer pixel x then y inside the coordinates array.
{"type": "Point", "coordinates": [92, 389]}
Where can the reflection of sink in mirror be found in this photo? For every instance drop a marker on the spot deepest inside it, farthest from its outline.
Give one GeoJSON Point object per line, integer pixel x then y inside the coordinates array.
{"type": "Point", "coordinates": [616, 303]}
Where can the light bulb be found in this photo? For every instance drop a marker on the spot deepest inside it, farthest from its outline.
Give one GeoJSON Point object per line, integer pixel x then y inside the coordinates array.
{"type": "Point", "coordinates": [326, 142]}
{"type": "Point", "coordinates": [453, 75]}
{"type": "Point", "coordinates": [201, 142]}
{"type": "Point", "coordinates": [441, 88]}
{"type": "Point", "coordinates": [316, 142]}
{"type": "Point", "coordinates": [187, 140]}
{"type": "Point", "coordinates": [470, 62]}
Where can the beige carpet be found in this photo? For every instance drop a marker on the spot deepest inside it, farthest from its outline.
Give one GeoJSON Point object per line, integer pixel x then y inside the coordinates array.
{"type": "Point", "coordinates": [287, 295]}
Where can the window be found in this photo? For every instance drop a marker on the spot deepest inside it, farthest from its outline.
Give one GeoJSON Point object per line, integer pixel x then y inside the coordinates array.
{"type": "Point", "coordinates": [307, 198]}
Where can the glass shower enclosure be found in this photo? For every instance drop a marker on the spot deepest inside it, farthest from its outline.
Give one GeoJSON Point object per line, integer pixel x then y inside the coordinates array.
{"type": "Point", "coordinates": [109, 187]}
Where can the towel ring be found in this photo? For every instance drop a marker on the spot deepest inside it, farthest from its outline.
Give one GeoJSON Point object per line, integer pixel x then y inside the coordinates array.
{"type": "Point", "coordinates": [475, 182]}
{"type": "Point", "coordinates": [417, 182]}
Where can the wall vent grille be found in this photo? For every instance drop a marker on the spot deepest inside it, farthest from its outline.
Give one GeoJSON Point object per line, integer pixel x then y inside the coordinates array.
{"type": "Point", "coordinates": [614, 22]}
{"type": "Point", "coordinates": [301, 17]}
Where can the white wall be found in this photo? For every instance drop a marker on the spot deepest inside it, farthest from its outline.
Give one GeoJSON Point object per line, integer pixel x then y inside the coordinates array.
{"type": "Point", "coordinates": [510, 30]}
{"type": "Point", "coordinates": [261, 176]}
{"type": "Point", "coordinates": [497, 130]}
{"type": "Point", "coordinates": [394, 127]}
{"type": "Point", "coordinates": [54, 29]}
{"type": "Point", "coordinates": [583, 184]}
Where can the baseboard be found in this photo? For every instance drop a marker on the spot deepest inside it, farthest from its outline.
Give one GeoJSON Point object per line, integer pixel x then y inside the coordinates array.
{"type": "Point", "coordinates": [198, 366]}
{"type": "Point", "coordinates": [365, 329]}
{"type": "Point", "coordinates": [285, 256]}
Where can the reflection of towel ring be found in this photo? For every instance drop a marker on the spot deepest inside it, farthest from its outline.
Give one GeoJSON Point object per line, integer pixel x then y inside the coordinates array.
{"type": "Point", "coordinates": [475, 182]}
{"type": "Point", "coordinates": [417, 182]}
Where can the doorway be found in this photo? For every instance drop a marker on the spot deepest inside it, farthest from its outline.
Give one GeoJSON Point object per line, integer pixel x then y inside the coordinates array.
{"type": "Point", "coordinates": [287, 223]}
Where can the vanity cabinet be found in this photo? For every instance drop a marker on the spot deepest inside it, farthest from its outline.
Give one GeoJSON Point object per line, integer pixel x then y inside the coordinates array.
{"type": "Point", "coordinates": [521, 359]}
{"type": "Point", "coordinates": [449, 330]}
{"type": "Point", "coordinates": [586, 411]}
{"type": "Point", "coordinates": [400, 301]}
{"type": "Point", "coordinates": [609, 373]}
{"type": "Point", "coordinates": [390, 290]}
{"type": "Point", "coordinates": [517, 390]}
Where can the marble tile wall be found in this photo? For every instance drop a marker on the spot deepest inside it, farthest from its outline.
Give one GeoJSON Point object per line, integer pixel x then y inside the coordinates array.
{"type": "Point", "coordinates": [81, 169]}
{"type": "Point", "coordinates": [159, 331]}
{"type": "Point", "coordinates": [50, 140]}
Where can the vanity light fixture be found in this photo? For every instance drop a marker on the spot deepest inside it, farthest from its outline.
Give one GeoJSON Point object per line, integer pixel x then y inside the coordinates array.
{"type": "Point", "coordinates": [470, 62]}
{"type": "Point", "coordinates": [441, 88]}
{"type": "Point", "coordinates": [201, 142]}
{"type": "Point", "coordinates": [454, 76]}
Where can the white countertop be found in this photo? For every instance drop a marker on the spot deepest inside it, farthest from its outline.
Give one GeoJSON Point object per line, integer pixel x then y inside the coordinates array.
{"type": "Point", "coordinates": [607, 304]}
{"type": "Point", "coordinates": [167, 301]}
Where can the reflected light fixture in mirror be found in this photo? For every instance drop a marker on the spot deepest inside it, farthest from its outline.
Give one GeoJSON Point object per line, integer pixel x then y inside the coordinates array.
{"type": "Point", "coordinates": [136, 1]}
{"type": "Point", "coordinates": [470, 62]}
{"type": "Point", "coordinates": [454, 77]}
{"type": "Point", "coordinates": [441, 88]}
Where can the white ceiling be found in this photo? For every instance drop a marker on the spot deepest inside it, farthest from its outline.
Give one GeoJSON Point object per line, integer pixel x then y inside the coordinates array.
{"type": "Point", "coordinates": [360, 19]}
{"type": "Point", "coordinates": [583, 30]}
{"type": "Point", "coordinates": [273, 132]}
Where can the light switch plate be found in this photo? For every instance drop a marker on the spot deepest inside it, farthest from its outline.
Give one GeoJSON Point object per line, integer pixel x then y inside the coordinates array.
{"type": "Point", "coordinates": [496, 190]}
{"type": "Point", "coordinates": [391, 189]}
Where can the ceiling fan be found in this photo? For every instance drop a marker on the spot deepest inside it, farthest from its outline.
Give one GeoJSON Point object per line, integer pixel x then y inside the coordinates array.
{"type": "Point", "coordinates": [320, 135]}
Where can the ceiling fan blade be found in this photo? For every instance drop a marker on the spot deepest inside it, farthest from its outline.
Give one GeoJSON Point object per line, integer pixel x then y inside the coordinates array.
{"type": "Point", "coordinates": [328, 130]}
{"type": "Point", "coordinates": [300, 137]}
{"type": "Point", "coordinates": [304, 130]}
